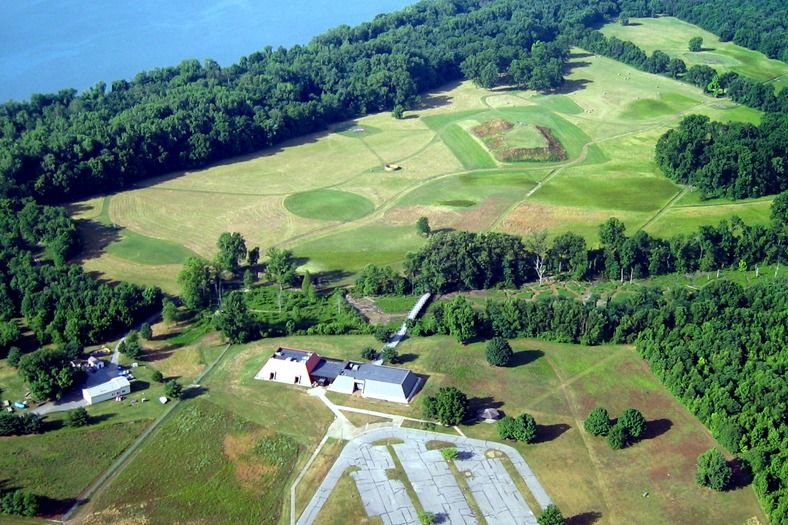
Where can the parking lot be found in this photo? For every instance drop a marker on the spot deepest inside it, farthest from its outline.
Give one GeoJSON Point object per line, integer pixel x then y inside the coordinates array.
{"type": "Point", "coordinates": [491, 487]}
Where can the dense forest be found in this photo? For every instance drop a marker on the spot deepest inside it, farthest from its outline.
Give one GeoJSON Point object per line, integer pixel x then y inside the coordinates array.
{"type": "Point", "coordinates": [757, 24]}
{"type": "Point", "coordinates": [455, 261]}
{"type": "Point", "coordinates": [59, 146]}
{"type": "Point", "coordinates": [732, 160]}
{"type": "Point", "coordinates": [64, 145]}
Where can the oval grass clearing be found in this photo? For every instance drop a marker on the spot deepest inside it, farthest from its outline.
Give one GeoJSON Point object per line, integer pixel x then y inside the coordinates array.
{"type": "Point", "coordinates": [328, 205]}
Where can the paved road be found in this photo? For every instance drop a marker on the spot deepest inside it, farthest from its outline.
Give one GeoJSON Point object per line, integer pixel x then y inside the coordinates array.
{"type": "Point", "coordinates": [493, 489]}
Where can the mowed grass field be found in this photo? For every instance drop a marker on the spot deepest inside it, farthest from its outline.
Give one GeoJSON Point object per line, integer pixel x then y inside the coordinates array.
{"type": "Point", "coordinates": [558, 384]}
{"type": "Point", "coordinates": [327, 197]}
{"type": "Point", "coordinates": [672, 35]}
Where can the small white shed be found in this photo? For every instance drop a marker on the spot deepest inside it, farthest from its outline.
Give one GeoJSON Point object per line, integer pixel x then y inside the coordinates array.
{"type": "Point", "coordinates": [117, 386]}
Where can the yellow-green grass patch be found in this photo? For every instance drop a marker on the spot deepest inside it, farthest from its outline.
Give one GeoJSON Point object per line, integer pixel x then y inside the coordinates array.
{"type": "Point", "coordinates": [317, 472]}
{"type": "Point", "coordinates": [149, 251]}
{"type": "Point", "coordinates": [672, 35]}
{"type": "Point", "coordinates": [687, 219]}
{"type": "Point", "coordinates": [207, 463]}
{"type": "Point", "coordinates": [59, 464]}
{"type": "Point", "coordinates": [558, 103]}
{"type": "Point", "coordinates": [664, 104]}
{"type": "Point", "coordinates": [111, 268]}
{"type": "Point", "coordinates": [328, 205]}
{"type": "Point", "coordinates": [281, 169]}
{"type": "Point", "coordinates": [352, 249]}
{"type": "Point", "coordinates": [344, 505]}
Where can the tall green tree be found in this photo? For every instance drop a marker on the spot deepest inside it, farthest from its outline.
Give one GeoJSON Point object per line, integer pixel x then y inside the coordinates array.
{"type": "Point", "coordinates": [695, 44]}
{"type": "Point", "coordinates": [198, 280]}
{"type": "Point", "coordinates": [233, 320]}
{"type": "Point", "coordinates": [232, 250]}
{"type": "Point", "coordinates": [461, 319]}
{"type": "Point", "coordinates": [551, 516]}
{"type": "Point", "coordinates": [713, 471]}
{"type": "Point", "coordinates": [449, 406]}
{"type": "Point", "coordinates": [598, 422]}
{"type": "Point", "coordinates": [280, 269]}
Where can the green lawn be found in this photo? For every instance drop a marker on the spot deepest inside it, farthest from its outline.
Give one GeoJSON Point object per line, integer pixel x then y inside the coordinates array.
{"type": "Point", "coordinates": [672, 35]}
{"type": "Point", "coordinates": [144, 250]}
{"type": "Point", "coordinates": [328, 205]}
{"type": "Point", "coordinates": [468, 151]}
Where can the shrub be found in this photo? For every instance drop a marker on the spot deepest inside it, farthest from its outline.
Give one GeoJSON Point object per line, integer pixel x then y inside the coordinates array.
{"type": "Point", "coordinates": [713, 471]}
{"type": "Point", "coordinates": [598, 422]}
{"type": "Point", "coordinates": [19, 502]}
{"type": "Point", "coordinates": [551, 516]}
{"type": "Point", "coordinates": [157, 376]}
{"type": "Point", "coordinates": [382, 333]}
{"type": "Point", "coordinates": [389, 356]}
{"type": "Point", "coordinates": [369, 353]}
{"type": "Point", "coordinates": [145, 331]}
{"type": "Point", "coordinates": [77, 418]}
{"type": "Point", "coordinates": [617, 438]}
{"type": "Point", "coordinates": [521, 428]}
{"type": "Point", "coordinates": [450, 452]}
{"type": "Point", "coordinates": [499, 352]}
{"type": "Point", "coordinates": [634, 422]}
{"type": "Point", "coordinates": [173, 389]}
{"type": "Point", "coordinates": [14, 355]}
{"type": "Point", "coordinates": [427, 518]}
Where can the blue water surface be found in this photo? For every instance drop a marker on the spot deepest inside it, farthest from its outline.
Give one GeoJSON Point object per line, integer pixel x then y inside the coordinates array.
{"type": "Point", "coordinates": [47, 45]}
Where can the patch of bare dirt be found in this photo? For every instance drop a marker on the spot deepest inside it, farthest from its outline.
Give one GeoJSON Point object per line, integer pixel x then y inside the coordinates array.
{"type": "Point", "coordinates": [481, 216]}
{"type": "Point", "coordinates": [367, 308]}
{"type": "Point", "coordinates": [492, 127]}
{"type": "Point", "coordinates": [528, 217]}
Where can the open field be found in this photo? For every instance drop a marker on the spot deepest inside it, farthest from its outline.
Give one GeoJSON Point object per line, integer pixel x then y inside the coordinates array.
{"type": "Point", "coordinates": [327, 196]}
{"type": "Point", "coordinates": [672, 35]}
{"type": "Point", "coordinates": [559, 384]}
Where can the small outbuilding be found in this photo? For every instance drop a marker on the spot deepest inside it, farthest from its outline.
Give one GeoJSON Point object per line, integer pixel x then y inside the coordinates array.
{"type": "Point", "coordinates": [112, 389]}
{"type": "Point", "coordinates": [489, 415]}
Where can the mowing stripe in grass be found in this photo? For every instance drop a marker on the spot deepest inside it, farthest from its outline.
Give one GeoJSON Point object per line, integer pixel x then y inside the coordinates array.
{"type": "Point", "coordinates": [468, 151]}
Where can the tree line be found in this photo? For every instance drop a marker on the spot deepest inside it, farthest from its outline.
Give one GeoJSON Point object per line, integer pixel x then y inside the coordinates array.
{"type": "Point", "coordinates": [59, 146]}
{"type": "Point", "coordinates": [452, 261]}
{"type": "Point", "coordinates": [63, 145]}
{"type": "Point", "coordinates": [733, 160]}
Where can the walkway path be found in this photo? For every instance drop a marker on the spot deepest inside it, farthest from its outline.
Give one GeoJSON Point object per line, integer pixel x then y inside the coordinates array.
{"type": "Point", "coordinates": [493, 489]}
{"type": "Point", "coordinates": [414, 312]}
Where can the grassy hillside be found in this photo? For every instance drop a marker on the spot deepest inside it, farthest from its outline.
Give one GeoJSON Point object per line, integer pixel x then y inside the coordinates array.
{"type": "Point", "coordinates": [672, 35]}
{"type": "Point", "coordinates": [328, 198]}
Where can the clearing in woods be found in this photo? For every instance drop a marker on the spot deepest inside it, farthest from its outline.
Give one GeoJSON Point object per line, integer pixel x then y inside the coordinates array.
{"type": "Point", "coordinates": [672, 35]}
{"type": "Point", "coordinates": [328, 197]}
{"type": "Point", "coordinates": [557, 383]}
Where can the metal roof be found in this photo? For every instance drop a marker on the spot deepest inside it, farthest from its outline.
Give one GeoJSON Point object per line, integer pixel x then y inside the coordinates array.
{"type": "Point", "coordinates": [384, 374]}
{"type": "Point", "coordinates": [328, 368]}
{"type": "Point", "coordinates": [290, 354]}
{"type": "Point", "coordinates": [116, 383]}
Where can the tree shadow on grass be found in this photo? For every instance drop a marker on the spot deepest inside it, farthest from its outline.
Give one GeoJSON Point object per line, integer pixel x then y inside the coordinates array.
{"type": "Point", "coordinates": [572, 85]}
{"type": "Point", "coordinates": [523, 357]}
{"type": "Point", "coordinates": [741, 473]}
{"type": "Point", "coordinates": [656, 428]}
{"type": "Point", "coordinates": [195, 391]}
{"type": "Point", "coordinates": [54, 507]}
{"type": "Point", "coordinates": [406, 358]}
{"type": "Point", "coordinates": [139, 385]}
{"type": "Point", "coordinates": [329, 277]}
{"type": "Point", "coordinates": [95, 238]}
{"type": "Point", "coordinates": [545, 433]}
{"type": "Point", "coordinates": [584, 518]}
